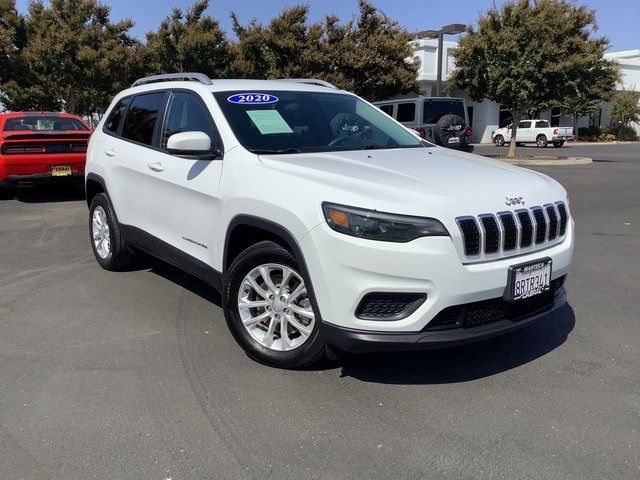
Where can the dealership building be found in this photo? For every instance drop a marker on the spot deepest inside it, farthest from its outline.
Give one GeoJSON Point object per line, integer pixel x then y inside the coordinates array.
{"type": "Point", "coordinates": [486, 116]}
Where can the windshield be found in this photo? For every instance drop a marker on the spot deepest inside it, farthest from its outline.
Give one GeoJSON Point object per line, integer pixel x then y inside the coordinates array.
{"type": "Point", "coordinates": [291, 121]}
{"type": "Point", "coordinates": [43, 124]}
{"type": "Point", "coordinates": [435, 109]}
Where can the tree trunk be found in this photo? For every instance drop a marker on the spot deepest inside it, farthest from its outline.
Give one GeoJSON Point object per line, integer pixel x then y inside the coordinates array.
{"type": "Point", "coordinates": [575, 128]}
{"type": "Point", "coordinates": [517, 116]}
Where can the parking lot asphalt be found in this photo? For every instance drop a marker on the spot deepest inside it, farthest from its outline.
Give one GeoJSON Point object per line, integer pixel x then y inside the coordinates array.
{"type": "Point", "coordinates": [135, 375]}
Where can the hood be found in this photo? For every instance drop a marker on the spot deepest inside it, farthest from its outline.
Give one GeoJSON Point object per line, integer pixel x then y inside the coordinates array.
{"type": "Point", "coordinates": [414, 177]}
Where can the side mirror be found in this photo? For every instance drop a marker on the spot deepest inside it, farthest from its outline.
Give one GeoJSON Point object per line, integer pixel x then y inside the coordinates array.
{"type": "Point", "coordinates": [189, 143]}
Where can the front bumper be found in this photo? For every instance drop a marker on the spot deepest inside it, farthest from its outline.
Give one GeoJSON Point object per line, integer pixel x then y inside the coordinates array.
{"type": "Point", "coordinates": [358, 341]}
{"type": "Point", "coordinates": [344, 269]}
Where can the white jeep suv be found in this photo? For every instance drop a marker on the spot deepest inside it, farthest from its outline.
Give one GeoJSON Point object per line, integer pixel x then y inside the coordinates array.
{"type": "Point", "coordinates": [324, 222]}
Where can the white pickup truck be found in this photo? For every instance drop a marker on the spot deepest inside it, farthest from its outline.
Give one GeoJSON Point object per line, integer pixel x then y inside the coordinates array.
{"type": "Point", "coordinates": [533, 131]}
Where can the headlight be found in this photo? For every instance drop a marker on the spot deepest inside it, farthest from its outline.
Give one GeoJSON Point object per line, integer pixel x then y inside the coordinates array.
{"type": "Point", "coordinates": [374, 225]}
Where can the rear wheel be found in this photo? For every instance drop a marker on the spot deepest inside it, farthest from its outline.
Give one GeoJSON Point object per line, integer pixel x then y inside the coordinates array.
{"type": "Point", "coordinates": [107, 242]}
{"type": "Point", "coordinates": [541, 141]}
{"type": "Point", "coordinates": [558, 144]}
{"type": "Point", "coordinates": [498, 141]}
{"type": "Point", "coordinates": [268, 308]}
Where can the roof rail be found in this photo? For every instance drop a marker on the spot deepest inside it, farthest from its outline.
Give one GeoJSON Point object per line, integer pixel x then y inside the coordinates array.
{"type": "Point", "coordinates": [311, 81]}
{"type": "Point", "coordinates": [165, 77]}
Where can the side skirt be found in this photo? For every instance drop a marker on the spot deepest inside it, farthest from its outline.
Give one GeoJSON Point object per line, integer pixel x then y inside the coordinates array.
{"type": "Point", "coordinates": [170, 254]}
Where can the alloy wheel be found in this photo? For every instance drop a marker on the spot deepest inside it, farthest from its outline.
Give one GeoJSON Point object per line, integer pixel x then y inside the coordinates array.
{"type": "Point", "coordinates": [275, 308]}
{"type": "Point", "coordinates": [100, 232]}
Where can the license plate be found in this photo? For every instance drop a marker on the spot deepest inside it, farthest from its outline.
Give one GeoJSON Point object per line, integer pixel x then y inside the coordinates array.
{"type": "Point", "coordinates": [528, 279]}
{"type": "Point", "coordinates": [61, 171]}
{"type": "Point", "coordinates": [454, 140]}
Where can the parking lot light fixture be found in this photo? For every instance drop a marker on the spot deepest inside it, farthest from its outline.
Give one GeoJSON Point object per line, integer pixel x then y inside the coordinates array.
{"type": "Point", "coordinates": [451, 29]}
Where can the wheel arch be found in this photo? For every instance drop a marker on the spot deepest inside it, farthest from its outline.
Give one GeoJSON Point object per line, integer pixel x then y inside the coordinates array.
{"type": "Point", "coordinates": [245, 230]}
{"type": "Point", "coordinates": [94, 184]}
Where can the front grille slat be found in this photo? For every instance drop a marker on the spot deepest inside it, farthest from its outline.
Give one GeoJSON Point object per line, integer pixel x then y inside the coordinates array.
{"type": "Point", "coordinates": [553, 222]}
{"type": "Point", "coordinates": [491, 233]}
{"type": "Point", "coordinates": [512, 232]}
{"type": "Point", "coordinates": [509, 230]}
{"type": "Point", "coordinates": [471, 235]}
{"type": "Point", "coordinates": [540, 223]}
{"type": "Point", "coordinates": [564, 217]}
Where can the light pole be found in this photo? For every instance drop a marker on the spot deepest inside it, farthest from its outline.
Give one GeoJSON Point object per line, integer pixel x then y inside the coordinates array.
{"type": "Point", "coordinates": [452, 29]}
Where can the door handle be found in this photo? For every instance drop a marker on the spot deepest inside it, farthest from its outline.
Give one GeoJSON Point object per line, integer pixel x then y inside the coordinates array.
{"type": "Point", "coordinates": [155, 166]}
{"type": "Point", "coordinates": [110, 152]}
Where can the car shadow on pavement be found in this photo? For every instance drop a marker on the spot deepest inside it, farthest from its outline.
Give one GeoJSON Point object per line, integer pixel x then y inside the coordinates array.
{"type": "Point", "coordinates": [50, 194]}
{"type": "Point", "coordinates": [181, 278]}
{"type": "Point", "coordinates": [465, 363]}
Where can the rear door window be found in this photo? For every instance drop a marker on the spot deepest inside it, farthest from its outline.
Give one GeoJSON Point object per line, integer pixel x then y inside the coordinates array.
{"type": "Point", "coordinates": [406, 112]}
{"type": "Point", "coordinates": [542, 124]}
{"type": "Point", "coordinates": [524, 125]}
{"type": "Point", "coordinates": [142, 116]}
{"type": "Point", "coordinates": [388, 109]}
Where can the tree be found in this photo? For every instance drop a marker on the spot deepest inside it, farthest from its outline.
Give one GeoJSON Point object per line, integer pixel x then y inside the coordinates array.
{"type": "Point", "coordinates": [529, 55]}
{"type": "Point", "coordinates": [577, 106]}
{"type": "Point", "coordinates": [12, 40]}
{"type": "Point", "coordinates": [75, 58]}
{"type": "Point", "coordinates": [367, 55]}
{"type": "Point", "coordinates": [189, 41]}
{"type": "Point", "coordinates": [625, 111]}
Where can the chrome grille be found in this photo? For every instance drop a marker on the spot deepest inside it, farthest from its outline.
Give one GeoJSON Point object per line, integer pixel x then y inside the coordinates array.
{"type": "Point", "coordinates": [509, 233]}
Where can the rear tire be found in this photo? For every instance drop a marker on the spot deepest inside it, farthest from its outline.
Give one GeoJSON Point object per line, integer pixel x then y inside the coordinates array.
{"type": "Point", "coordinates": [541, 141]}
{"type": "Point", "coordinates": [257, 277]}
{"type": "Point", "coordinates": [107, 242]}
{"type": "Point", "coordinates": [498, 141]}
{"type": "Point", "coordinates": [558, 144]}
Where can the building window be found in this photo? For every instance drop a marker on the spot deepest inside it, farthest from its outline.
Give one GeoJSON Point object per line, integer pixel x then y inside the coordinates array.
{"type": "Point", "coordinates": [595, 119]}
{"type": "Point", "coordinates": [556, 112]}
{"type": "Point", "coordinates": [470, 115]}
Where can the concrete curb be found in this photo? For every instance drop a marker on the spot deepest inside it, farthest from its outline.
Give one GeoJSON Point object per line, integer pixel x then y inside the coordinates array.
{"type": "Point", "coordinates": [544, 161]}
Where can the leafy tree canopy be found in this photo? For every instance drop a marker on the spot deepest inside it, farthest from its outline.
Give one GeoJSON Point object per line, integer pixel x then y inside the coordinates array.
{"type": "Point", "coordinates": [189, 41]}
{"type": "Point", "coordinates": [75, 58]}
{"type": "Point", "coordinates": [528, 55]}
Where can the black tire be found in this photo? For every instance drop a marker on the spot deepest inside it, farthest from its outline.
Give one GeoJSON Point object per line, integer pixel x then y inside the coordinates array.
{"type": "Point", "coordinates": [558, 144]}
{"type": "Point", "coordinates": [448, 128]}
{"type": "Point", "coordinates": [267, 252]}
{"type": "Point", "coordinates": [541, 141]}
{"type": "Point", "coordinates": [120, 257]}
{"type": "Point", "coordinates": [498, 141]}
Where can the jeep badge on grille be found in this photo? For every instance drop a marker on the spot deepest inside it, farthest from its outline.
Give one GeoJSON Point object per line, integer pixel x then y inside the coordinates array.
{"type": "Point", "coordinates": [514, 201]}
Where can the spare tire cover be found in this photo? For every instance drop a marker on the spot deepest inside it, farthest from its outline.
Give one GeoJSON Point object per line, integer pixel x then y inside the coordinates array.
{"type": "Point", "coordinates": [449, 130]}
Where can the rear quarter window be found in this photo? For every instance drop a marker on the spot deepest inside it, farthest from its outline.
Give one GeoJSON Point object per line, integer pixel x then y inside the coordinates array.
{"type": "Point", "coordinates": [115, 117]}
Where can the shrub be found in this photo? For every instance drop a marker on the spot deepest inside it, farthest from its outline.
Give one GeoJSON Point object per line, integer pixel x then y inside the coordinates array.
{"type": "Point", "coordinates": [590, 132]}
{"type": "Point", "coordinates": [627, 134]}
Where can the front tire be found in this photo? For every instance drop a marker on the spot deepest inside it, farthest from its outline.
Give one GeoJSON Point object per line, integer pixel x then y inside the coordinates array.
{"type": "Point", "coordinates": [542, 141]}
{"type": "Point", "coordinates": [269, 310]}
{"type": "Point", "coordinates": [107, 242]}
{"type": "Point", "coordinates": [498, 141]}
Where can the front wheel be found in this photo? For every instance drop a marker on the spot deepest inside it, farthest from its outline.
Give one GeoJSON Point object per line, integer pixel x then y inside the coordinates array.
{"type": "Point", "coordinates": [542, 141]}
{"type": "Point", "coordinates": [269, 310]}
{"type": "Point", "coordinates": [498, 141]}
{"type": "Point", "coordinates": [558, 144]}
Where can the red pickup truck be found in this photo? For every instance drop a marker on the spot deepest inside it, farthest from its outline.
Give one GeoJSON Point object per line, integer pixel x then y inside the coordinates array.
{"type": "Point", "coordinates": [41, 147]}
